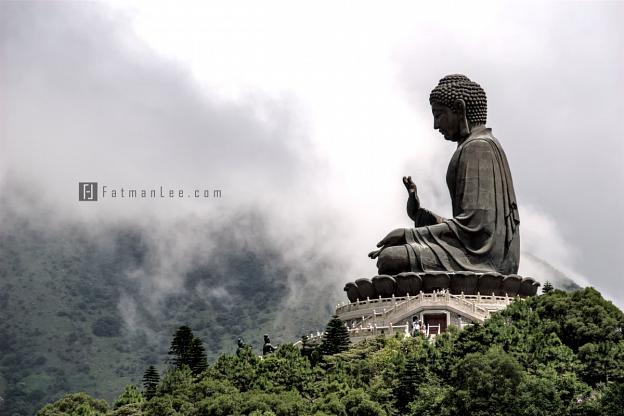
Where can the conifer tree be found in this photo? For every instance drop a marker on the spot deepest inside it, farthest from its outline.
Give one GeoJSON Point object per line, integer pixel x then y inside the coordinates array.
{"type": "Point", "coordinates": [548, 287]}
{"type": "Point", "coordinates": [187, 349]}
{"type": "Point", "coordinates": [336, 337]}
{"type": "Point", "coordinates": [150, 382]}
{"type": "Point", "coordinates": [198, 361]}
{"type": "Point", "coordinates": [181, 346]}
{"type": "Point", "coordinates": [410, 377]}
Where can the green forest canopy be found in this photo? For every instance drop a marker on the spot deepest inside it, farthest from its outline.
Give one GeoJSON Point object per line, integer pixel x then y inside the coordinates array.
{"type": "Point", "coordinates": [555, 354]}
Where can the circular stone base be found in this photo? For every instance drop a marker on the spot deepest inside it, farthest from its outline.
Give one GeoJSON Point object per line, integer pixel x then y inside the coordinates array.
{"type": "Point", "coordinates": [468, 283]}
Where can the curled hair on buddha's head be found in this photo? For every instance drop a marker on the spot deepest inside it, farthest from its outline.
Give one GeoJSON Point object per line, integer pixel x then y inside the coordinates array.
{"type": "Point", "coordinates": [457, 86]}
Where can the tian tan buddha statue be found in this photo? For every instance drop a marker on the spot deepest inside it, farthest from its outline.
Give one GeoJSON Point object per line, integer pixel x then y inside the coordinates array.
{"type": "Point", "coordinates": [483, 235]}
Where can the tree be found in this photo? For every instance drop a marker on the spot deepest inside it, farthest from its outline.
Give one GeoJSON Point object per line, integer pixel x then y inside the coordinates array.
{"type": "Point", "coordinates": [580, 317]}
{"type": "Point", "coordinates": [240, 370]}
{"type": "Point", "coordinates": [486, 383]}
{"type": "Point", "coordinates": [197, 357]}
{"type": "Point", "coordinates": [181, 346]}
{"type": "Point", "coordinates": [612, 401]}
{"type": "Point", "coordinates": [131, 395]}
{"type": "Point", "coordinates": [75, 404]}
{"type": "Point", "coordinates": [150, 382]}
{"type": "Point", "coordinates": [336, 337]}
{"type": "Point", "coordinates": [187, 349]}
{"type": "Point", "coordinates": [310, 350]}
{"type": "Point", "coordinates": [555, 355]}
{"type": "Point", "coordinates": [411, 376]}
{"type": "Point", "coordinates": [548, 287]}
{"type": "Point", "coordinates": [431, 400]}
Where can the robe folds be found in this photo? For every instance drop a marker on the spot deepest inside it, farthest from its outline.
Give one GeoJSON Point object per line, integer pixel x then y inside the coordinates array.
{"type": "Point", "coordinates": [483, 235]}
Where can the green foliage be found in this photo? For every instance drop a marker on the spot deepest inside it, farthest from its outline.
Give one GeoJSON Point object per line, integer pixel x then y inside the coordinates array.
{"type": "Point", "coordinates": [527, 360]}
{"type": "Point", "coordinates": [358, 403]}
{"type": "Point", "coordinates": [159, 406]}
{"type": "Point", "coordinates": [151, 378]}
{"type": "Point", "coordinates": [612, 400]}
{"type": "Point", "coordinates": [285, 369]}
{"type": "Point", "coordinates": [133, 409]}
{"type": "Point", "coordinates": [197, 359]}
{"type": "Point", "coordinates": [412, 376]}
{"type": "Point", "coordinates": [177, 382]}
{"type": "Point", "coordinates": [131, 395]}
{"type": "Point", "coordinates": [76, 404]}
{"type": "Point", "coordinates": [181, 346]}
{"type": "Point", "coordinates": [485, 383]}
{"type": "Point", "coordinates": [75, 339]}
{"type": "Point", "coordinates": [188, 350]}
{"type": "Point", "coordinates": [240, 370]}
{"type": "Point", "coordinates": [431, 400]}
{"type": "Point", "coordinates": [548, 287]}
{"type": "Point", "coordinates": [336, 337]}
{"type": "Point", "coordinates": [580, 317]}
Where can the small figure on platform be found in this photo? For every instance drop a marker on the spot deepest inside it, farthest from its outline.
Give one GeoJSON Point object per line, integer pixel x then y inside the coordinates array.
{"type": "Point", "coordinates": [240, 345]}
{"type": "Point", "coordinates": [267, 348]}
{"type": "Point", "coordinates": [415, 328]}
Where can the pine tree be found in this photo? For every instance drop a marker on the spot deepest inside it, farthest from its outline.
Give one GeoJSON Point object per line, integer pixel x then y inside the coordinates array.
{"type": "Point", "coordinates": [187, 349]}
{"type": "Point", "coordinates": [336, 337]}
{"type": "Point", "coordinates": [410, 377]}
{"type": "Point", "coordinates": [150, 382]}
{"type": "Point", "coordinates": [181, 346]}
{"type": "Point", "coordinates": [548, 287]}
{"type": "Point", "coordinates": [198, 361]}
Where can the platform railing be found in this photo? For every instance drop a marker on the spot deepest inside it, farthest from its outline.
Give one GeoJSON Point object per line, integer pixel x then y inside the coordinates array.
{"type": "Point", "coordinates": [374, 330]}
{"type": "Point", "coordinates": [439, 298]}
{"type": "Point", "coordinates": [387, 309]}
{"type": "Point", "coordinates": [397, 300]}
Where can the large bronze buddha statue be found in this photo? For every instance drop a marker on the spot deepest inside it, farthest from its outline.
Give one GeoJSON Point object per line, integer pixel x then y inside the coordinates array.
{"type": "Point", "coordinates": [483, 234]}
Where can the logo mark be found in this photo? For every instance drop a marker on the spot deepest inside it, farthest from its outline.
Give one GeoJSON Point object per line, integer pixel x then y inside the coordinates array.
{"type": "Point", "coordinates": [87, 191]}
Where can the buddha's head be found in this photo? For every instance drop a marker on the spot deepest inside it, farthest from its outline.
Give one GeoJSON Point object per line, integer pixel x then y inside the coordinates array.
{"type": "Point", "coordinates": [458, 105]}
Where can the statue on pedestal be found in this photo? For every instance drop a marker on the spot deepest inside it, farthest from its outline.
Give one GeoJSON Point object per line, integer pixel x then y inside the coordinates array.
{"type": "Point", "coordinates": [477, 250]}
{"type": "Point", "coordinates": [483, 234]}
{"type": "Point", "coordinates": [267, 348]}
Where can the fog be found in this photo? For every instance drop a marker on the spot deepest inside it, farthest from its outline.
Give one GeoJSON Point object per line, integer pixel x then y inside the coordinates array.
{"type": "Point", "coordinates": [309, 117]}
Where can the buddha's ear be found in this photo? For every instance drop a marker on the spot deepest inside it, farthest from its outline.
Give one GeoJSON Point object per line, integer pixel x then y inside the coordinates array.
{"type": "Point", "coordinates": [464, 126]}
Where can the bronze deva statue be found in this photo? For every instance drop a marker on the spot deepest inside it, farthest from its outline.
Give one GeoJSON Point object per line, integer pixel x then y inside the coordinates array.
{"type": "Point", "coordinates": [483, 235]}
{"type": "Point", "coordinates": [267, 348]}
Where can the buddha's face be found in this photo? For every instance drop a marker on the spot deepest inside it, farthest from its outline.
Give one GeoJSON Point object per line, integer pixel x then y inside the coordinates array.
{"type": "Point", "coordinates": [446, 121]}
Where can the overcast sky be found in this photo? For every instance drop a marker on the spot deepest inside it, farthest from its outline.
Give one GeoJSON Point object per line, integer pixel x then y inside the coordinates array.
{"type": "Point", "coordinates": [313, 113]}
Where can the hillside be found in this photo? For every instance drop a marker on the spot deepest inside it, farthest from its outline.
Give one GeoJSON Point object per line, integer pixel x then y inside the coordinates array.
{"type": "Point", "coordinates": [82, 310]}
{"type": "Point", "coordinates": [555, 354]}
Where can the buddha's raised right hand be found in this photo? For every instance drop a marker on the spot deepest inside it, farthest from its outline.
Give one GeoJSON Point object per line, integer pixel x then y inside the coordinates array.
{"type": "Point", "coordinates": [413, 202]}
{"type": "Point", "coordinates": [409, 184]}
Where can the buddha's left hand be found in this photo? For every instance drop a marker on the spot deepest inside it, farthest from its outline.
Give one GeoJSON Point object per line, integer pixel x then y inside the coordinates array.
{"type": "Point", "coordinates": [394, 238]}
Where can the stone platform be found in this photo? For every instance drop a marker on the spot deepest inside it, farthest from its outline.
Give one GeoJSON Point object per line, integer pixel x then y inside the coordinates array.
{"type": "Point", "coordinates": [457, 283]}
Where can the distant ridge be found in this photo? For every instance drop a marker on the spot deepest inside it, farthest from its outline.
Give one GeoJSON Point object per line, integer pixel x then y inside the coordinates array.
{"type": "Point", "coordinates": [555, 276]}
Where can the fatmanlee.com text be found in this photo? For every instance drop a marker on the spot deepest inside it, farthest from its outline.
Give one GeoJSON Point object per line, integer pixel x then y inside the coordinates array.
{"type": "Point", "coordinates": [91, 191]}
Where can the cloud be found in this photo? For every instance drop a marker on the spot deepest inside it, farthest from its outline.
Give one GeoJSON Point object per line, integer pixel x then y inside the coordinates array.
{"type": "Point", "coordinates": [544, 240]}
{"type": "Point", "coordinates": [85, 99]}
{"type": "Point", "coordinates": [311, 130]}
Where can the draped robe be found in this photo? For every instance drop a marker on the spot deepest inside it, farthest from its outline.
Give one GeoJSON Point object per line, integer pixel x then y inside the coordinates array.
{"type": "Point", "coordinates": [483, 235]}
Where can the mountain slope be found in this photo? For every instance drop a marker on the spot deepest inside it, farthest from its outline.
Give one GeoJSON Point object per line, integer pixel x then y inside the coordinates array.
{"type": "Point", "coordinates": [85, 311]}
